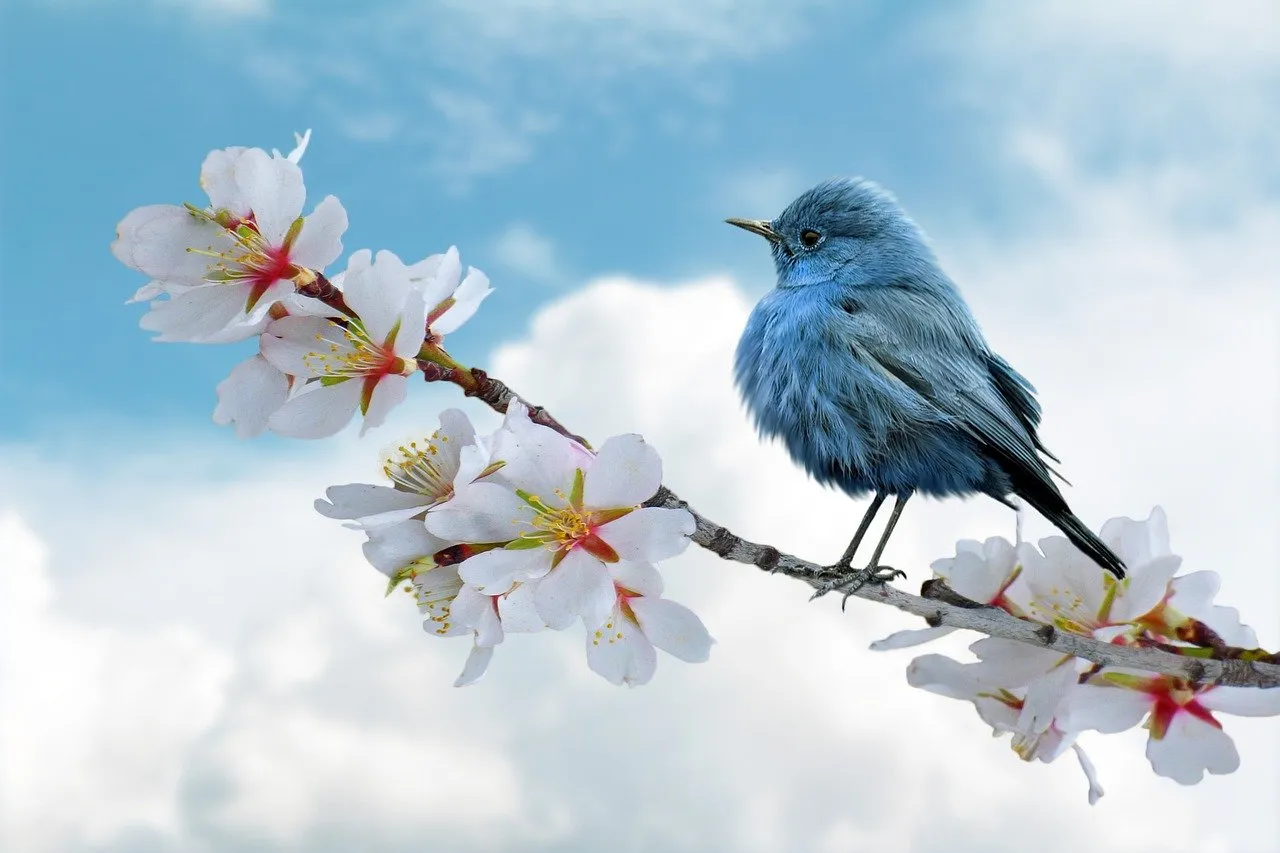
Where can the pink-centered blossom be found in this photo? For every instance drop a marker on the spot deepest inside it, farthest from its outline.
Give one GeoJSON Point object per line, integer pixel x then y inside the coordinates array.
{"type": "Point", "coordinates": [563, 515]}
{"type": "Point", "coordinates": [363, 363]}
{"type": "Point", "coordinates": [224, 266]}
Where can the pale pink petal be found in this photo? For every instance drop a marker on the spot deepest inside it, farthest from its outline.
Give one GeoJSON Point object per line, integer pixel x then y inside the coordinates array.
{"type": "Point", "coordinates": [368, 503]}
{"type": "Point", "coordinates": [649, 534]}
{"type": "Point", "coordinates": [1138, 542]}
{"type": "Point", "coordinates": [1091, 774]}
{"type": "Point", "coordinates": [435, 588]}
{"type": "Point", "coordinates": [319, 411]}
{"type": "Point", "coordinates": [439, 276]}
{"type": "Point", "coordinates": [320, 241]}
{"type": "Point", "coordinates": [360, 259]}
{"type": "Point", "coordinates": [273, 190]}
{"type": "Point", "coordinates": [473, 290]}
{"type": "Point", "coordinates": [674, 628]}
{"type": "Point", "coordinates": [494, 572]}
{"type": "Point", "coordinates": [518, 611]}
{"type": "Point", "coordinates": [413, 326]}
{"type": "Point", "coordinates": [291, 344]}
{"type": "Point", "coordinates": [392, 548]}
{"type": "Point", "coordinates": [1145, 587]}
{"type": "Point", "coordinates": [538, 459]}
{"type": "Point", "coordinates": [1191, 746]}
{"type": "Point", "coordinates": [620, 653]}
{"type": "Point", "coordinates": [1104, 708]}
{"type": "Point", "coordinates": [476, 665]}
{"type": "Point", "coordinates": [476, 611]}
{"type": "Point", "coordinates": [217, 179]}
{"type": "Point", "coordinates": [455, 434]}
{"type": "Point", "coordinates": [150, 290]}
{"type": "Point", "coordinates": [626, 472]}
{"type": "Point", "coordinates": [578, 586]}
{"type": "Point", "coordinates": [906, 639]}
{"type": "Point", "coordinates": [1193, 596]}
{"type": "Point", "coordinates": [155, 240]}
{"type": "Point", "coordinates": [1242, 701]}
{"type": "Point", "coordinates": [301, 141]}
{"type": "Point", "coordinates": [249, 395]}
{"type": "Point", "coordinates": [944, 676]}
{"type": "Point", "coordinates": [1005, 663]}
{"type": "Point", "coordinates": [481, 513]}
{"type": "Point", "coordinates": [198, 314]}
{"type": "Point", "coordinates": [377, 294]}
{"type": "Point", "coordinates": [387, 394]}
{"type": "Point", "coordinates": [637, 578]}
{"type": "Point", "coordinates": [1045, 696]}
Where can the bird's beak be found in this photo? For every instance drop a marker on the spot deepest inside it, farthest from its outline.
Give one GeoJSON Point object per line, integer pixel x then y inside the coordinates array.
{"type": "Point", "coordinates": [757, 226]}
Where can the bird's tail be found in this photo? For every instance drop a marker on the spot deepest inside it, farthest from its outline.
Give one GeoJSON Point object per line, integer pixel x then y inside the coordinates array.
{"type": "Point", "coordinates": [1082, 537]}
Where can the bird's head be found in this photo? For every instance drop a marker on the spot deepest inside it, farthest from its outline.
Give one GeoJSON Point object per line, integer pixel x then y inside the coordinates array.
{"type": "Point", "coordinates": [845, 226]}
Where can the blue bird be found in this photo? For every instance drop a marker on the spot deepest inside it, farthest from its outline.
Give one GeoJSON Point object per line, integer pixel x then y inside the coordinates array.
{"type": "Point", "coordinates": [866, 362]}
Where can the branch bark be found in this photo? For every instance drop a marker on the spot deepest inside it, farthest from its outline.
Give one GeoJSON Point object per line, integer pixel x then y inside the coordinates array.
{"type": "Point", "coordinates": [942, 606]}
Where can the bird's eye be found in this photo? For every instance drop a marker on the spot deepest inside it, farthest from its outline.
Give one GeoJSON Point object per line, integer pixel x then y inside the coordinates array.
{"type": "Point", "coordinates": [809, 238]}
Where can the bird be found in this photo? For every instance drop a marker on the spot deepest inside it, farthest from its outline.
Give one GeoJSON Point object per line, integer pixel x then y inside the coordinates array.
{"type": "Point", "coordinates": [867, 364]}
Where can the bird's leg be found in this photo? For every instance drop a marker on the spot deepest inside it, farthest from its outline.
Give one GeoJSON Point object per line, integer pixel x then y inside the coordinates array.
{"type": "Point", "coordinates": [874, 572]}
{"type": "Point", "coordinates": [846, 561]}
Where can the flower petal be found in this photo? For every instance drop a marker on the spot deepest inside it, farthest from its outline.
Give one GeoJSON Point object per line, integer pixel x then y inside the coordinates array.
{"type": "Point", "coordinates": [538, 459]}
{"type": "Point", "coordinates": [473, 290]}
{"type": "Point", "coordinates": [1191, 746]}
{"type": "Point", "coordinates": [200, 314]}
{"type": "Point", "coordinates": [626, 472]}
{"type": "Point", "coordinates": [249, 395]}
{"type": "Point", "coordinates": [1104, 708]}
{"type": "Point", "coordinates": [413, 326]}
{"type": "Point", "coordinates": [473, 609]}
{"type": "Point", "coordinates": [1242, 701]}
{"type": "Point", "coordinates": [517, 609]}
{"type": "Point", "coordinates": [638, 578]}
{"type": "Point", "coordinates": [291, 343]}
{"type": "Point", "coordinates": [364, 501]}
{"type": "Point", "coordinates": [476, 665]}
{"type": "Point", "coordinates": [1095, 790]}
{"type": "Point", "coordinates": [273, 189]}
{"type": "Point", "coordinates": [392, 548]}
{"type": "Point", "coordinates": [1044, 697]}
{"type": "Point", "coordinates": [906, 639]}
{"type": "Point", "coordinates": [320, 241]}
{"type": "Point", "coordinates": [674, 628]}
{"type": "Point", "coordinates": [217, 179]}
{"type": "Point", "coordinates": [480, 513]}
{"type": "Point", "coordinates": [389, 392]}
{"type": "Point", "coordinates": [579, 586]}
{"type": "Point", "coordinates": [1145, 587]}
{"type": "Point", "coordinates": [438, 276]}
{"type": "Point", "coordinates": [620, 652]}
{"type": "Point", "coordinates": [377, 294]}
{"type": "Point", "coordinates": [494, 572]}
{"type": "Point", "coordinates": [317, 412]}
{"type": "Point", "coordinates": [155, 240]}
{"type": "Point", "coordinates": [649, 534]}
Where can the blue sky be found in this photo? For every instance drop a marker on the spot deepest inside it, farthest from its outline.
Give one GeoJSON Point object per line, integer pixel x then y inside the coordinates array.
{"type": "Point", "coordinates": [620, 161]}
{"type": "Point", "coordinates": [199, 661]}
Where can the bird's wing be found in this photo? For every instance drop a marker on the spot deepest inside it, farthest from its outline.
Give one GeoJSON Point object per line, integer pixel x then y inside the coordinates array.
{"type": "Point", "coordinates": [1019, 396]}
{"type": "Point", "coordinates": [922, 352]}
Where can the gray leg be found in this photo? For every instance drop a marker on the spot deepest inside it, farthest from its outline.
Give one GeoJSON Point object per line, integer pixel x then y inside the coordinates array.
{"type": "Point", "coordinates": [874, 572]}
{"type": "Point", "coordinates": [846, 561]}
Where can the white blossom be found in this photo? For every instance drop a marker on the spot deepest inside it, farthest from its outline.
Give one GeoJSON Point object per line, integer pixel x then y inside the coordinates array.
{"type": "Point", "coordinates": [363, 364]}
{"type": "Point", "coordinates": [562, 516]}
{"type": "Point", "coordinates": [223, 267]}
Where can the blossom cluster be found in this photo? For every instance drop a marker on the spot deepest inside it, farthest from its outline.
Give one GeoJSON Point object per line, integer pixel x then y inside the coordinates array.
{"type": "Point", "coordinates": [1046, 699]}
{"type": "Point", "coordinates": [524, 530]}
{"type": "Point", "coordinates": [249, 264]}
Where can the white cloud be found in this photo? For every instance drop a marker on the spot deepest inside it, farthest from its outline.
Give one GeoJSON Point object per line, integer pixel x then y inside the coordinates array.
{"type": "Point", "coordinates": [281, 702]}
{"type": "Point", "coordinates": [523, 250]}
{"type": "Point", "coordinates": [1133, 87]}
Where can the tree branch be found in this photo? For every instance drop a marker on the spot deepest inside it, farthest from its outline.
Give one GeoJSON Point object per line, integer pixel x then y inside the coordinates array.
{"type": "Point", "coordinates": [941, 605]}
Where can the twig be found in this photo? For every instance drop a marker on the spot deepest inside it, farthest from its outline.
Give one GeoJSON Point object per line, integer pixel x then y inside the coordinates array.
{"type": "Point", "coordinates": [943, 606]}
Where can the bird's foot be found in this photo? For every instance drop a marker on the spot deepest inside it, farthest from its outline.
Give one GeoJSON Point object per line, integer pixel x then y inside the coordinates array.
{"type": "Point", "coordinates": [855, 579]}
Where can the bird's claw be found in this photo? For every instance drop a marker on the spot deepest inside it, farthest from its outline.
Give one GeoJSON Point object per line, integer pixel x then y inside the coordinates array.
{"type": "Point", "coordinates": [856, 579]}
